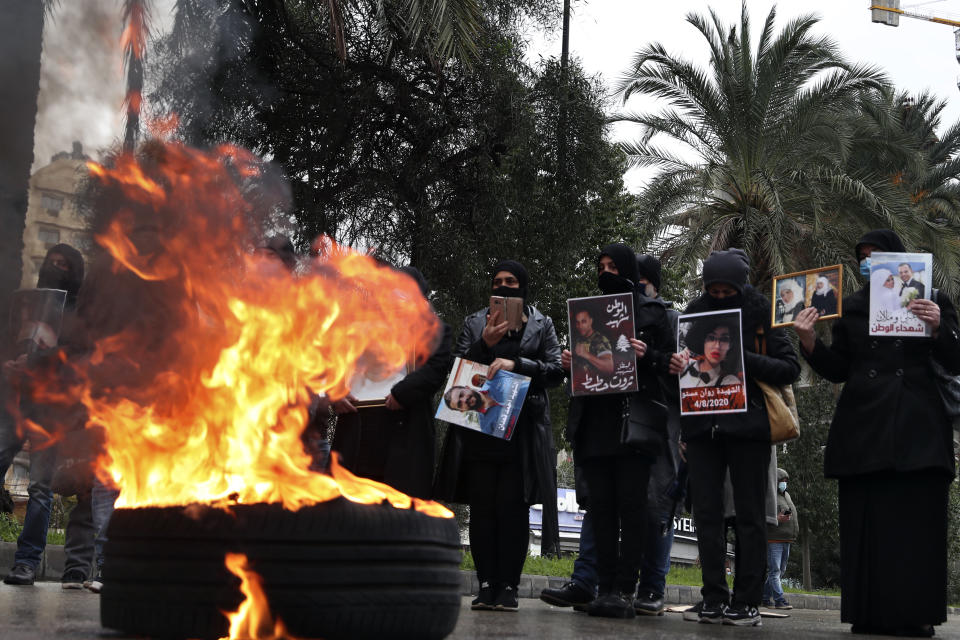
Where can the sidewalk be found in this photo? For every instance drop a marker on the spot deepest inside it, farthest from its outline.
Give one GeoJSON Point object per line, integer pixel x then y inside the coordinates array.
{"type": "Point", "coordinates": [531, 586]}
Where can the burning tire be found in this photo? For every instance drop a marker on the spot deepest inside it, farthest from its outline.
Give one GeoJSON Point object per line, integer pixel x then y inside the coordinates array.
{"type": "Point", "coordinates": [333, 570]}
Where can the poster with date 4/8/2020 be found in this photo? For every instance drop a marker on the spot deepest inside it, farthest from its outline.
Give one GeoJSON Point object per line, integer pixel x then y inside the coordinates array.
{"type": "Point", "coordinates": [713, 380]}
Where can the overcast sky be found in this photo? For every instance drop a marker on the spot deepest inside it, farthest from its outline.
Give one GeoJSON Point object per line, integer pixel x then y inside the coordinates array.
{"type": "Point", "coordinates": [82, 85]}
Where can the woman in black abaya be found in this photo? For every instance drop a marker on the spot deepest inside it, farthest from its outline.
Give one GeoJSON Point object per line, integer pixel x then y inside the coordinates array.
{"type": "Point", "coordinates": [890, 446]}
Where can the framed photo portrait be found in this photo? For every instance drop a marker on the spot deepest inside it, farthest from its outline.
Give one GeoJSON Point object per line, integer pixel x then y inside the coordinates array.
{"type": "Point", "coordinates": [819, 288]}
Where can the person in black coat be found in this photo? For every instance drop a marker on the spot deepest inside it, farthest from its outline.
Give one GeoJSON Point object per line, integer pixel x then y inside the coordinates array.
{"type": "Point", "coordinates": [500, 479]}
{"type": "Point", "coordinates": [396, 443]}
{"type": "Point", "coordinates": [890, 447]}
{"type": "Point", "coordinates": [614, 475]}
{"type": "Point", "coordinates": [738, 442]}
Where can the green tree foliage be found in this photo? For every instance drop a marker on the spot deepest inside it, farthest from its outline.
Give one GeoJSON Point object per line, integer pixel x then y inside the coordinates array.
{"type": "Point", "coordinates": [449, 167]}
{"type": "Point", "coordinates": [782, 148]}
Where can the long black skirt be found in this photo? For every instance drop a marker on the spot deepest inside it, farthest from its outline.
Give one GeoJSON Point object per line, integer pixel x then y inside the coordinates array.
{"type": "Point", "coordinates": [893, 549]}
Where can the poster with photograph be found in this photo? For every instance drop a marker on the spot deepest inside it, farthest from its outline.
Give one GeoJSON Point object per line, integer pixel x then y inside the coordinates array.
{"type": "Point", "coordinates": [472, 401]}
{"type": "Point", "coordinates": [895, 280]}
{"type": "Point", "coordinates": [712, 381]}
{"type": "Point", "coordinates": [820, 288]}
{"type": "Point", "coordinates": [600, 332]}
{"type": "Point", "coordinates": [35, 319]}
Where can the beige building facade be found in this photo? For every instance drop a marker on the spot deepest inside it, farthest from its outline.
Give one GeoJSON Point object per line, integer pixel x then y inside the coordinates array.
{"type": "Point", "coordinates": [52, 215]}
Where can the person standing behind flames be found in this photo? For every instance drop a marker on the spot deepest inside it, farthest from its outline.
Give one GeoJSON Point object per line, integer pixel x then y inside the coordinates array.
{"type": "Point", "coordinates": [739, 442]}
{"type": "Point", "coordinates": [62, 268]}
{"type": "Point", "coordinates": [890, 447]}
{"type": "Point", "coordinates": [500, 479]}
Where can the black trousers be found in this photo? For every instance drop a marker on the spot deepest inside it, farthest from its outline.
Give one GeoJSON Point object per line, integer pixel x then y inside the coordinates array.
{"type": "Point", "coordinates": [499, 520]}
{"type": "Point", "coordinates": [618, 509]}
{"type": "Point", "coordinates": [709, 458]}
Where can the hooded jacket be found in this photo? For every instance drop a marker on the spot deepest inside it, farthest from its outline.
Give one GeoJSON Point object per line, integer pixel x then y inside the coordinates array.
{"type": "Point", "coordinates": [778, 367]}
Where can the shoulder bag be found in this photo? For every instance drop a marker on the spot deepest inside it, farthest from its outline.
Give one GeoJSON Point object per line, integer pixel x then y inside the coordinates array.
{"type": "Point", "coordinates": [781, 403]}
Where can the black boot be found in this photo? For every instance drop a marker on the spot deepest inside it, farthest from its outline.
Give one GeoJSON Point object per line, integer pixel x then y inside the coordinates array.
{"type": "Point", "coordinates": [569, 595]}
{"type": "Point", "coordinates": [21, 574]}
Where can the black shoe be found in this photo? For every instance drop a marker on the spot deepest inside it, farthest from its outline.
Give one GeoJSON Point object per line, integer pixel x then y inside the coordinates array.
{"type": "Point", "coordinates": [712, 613]}
{"type": "Point", "coordinates": [612, 605]}
{"type": "Point", "coordinates": [21, 574]}
{"type": "Point", "coordinates": [72, 579]}
{"type": "Point", "coordinates": [693, 613]}
{"type": "Point", "coordinates": [506, 599]}
{"type": "Point", "coordinates": [648, 604]}
{"type": "Point", "coordinates": [742, 616]}
{"type": "Point", "coordinates": [485, 598]}
{"type": "Point", "coordinates": [782, 604]}
{"type": "Point", "coordinates": [569, 595]}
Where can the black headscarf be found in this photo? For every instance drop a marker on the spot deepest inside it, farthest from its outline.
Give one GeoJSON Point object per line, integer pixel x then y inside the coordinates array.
{"type": "Point", "coordinates": [518, 271]}
{"type": "Point", "coordinates": [882, 239]}
{"type": "Point", "coordinates": [282, 247]}
{"type": "Point", "coordinates": [625, 281]}
{"type": "Point", "coordinates": [52, 277]}
{"type": "Point", "coordinates": [649, 268]}
{"type": "Point", "coordinates": [414, 273]}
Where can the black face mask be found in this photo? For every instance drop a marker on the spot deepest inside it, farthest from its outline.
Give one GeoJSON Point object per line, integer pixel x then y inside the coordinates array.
{"type": "Point", "coordinates": [508, 292]}
{"type": "Point", "coordinates": [53, 278]}
{"type": "Point", "coordinates": [730, 302]}
{"type": "Point", "coordinates": [613, 283]}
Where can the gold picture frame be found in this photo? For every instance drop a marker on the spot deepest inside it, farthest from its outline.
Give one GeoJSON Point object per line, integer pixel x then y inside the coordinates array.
{"type": "Point", "coordinates": [792, 292]}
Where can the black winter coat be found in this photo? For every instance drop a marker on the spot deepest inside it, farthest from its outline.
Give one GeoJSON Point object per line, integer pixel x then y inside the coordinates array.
{"type": "Point", "coordinates": [399, 447]}
{"type": "Point", "coordinates": [890, 416]}
{"type": "Point", "coordinates": [778, 367]}
{"type": "Point", "coordinates": [540, 360]}
{"type": "Point", "coordinates": [413, 449]}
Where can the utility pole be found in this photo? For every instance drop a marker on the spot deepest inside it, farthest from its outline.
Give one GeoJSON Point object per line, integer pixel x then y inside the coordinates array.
{"type": "Point", "coordinates": [564, 95]}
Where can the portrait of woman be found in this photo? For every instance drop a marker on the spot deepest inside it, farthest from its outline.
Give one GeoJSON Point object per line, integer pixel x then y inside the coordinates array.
{"type": "Point", "coordinates": [713, 344]}
{"type": "Point", "coordinates": [883, 291]}
{"type": "Point", "coordinates": [789, 300]}
{"type": "Point", "coordinates": [824, 298]}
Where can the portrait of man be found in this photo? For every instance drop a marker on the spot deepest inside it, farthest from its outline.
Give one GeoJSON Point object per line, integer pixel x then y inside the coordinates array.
{"type": "Point", "coordinates": [487, 406]}
{"type": "Point", "coordinates": [591, 350]}
{"type": "Point", "coordinates": [907, 281]}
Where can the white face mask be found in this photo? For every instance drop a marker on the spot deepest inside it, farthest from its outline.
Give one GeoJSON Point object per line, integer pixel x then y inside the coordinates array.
{"type": "Point", "coordinates": [782, 486]}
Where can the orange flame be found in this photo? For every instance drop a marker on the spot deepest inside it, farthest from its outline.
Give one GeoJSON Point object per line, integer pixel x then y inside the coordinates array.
{"type": "Point", "coordinates": [210, 406]}
{"type": "Point", "coordinates": [252, 620]}
{"type": "Point", "coordinates": [133, 40]}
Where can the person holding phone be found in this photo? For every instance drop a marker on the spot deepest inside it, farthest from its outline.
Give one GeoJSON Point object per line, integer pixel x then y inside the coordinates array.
{"type": "Point", "coordinates": [498, 478]}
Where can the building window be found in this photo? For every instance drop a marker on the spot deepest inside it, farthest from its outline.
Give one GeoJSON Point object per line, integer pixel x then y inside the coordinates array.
{"type": "Point", "coordinates": [48, 237]}
{"type": "Point", "coordinates": [51, 204]}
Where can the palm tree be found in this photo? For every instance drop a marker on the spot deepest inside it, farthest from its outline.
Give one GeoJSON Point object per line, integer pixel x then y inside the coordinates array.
{"type": "Point", "coordinates": [754, 151]}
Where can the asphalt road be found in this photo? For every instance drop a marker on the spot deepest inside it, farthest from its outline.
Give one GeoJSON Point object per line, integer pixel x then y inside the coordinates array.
{"type": "Point", "coordinates": [46, 611]}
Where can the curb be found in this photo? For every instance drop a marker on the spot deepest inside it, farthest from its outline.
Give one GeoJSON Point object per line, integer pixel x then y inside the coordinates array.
{"type": "Point", "coordinates": [531, 586]}
{"type": "Point", "coordinates": [51, 562]}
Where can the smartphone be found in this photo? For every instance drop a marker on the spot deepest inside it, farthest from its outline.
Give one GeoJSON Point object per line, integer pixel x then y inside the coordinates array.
{"type": "Point", "coordinates": [787, 512]}
{"type": "Point", "coordinates": [511, 310]}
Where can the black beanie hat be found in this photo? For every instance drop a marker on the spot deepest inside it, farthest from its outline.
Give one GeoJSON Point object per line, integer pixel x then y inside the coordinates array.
{"type": "Point", "coordinates": [649, 268]}
{"type": "Point", "coordinates": [514, 267]}
{"type": "Point", "coordinates": [729, 267]}
{"type": "Point", "coordinates": [625, 259]}
{"type": "Point", "coordinates": [883, 239]}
